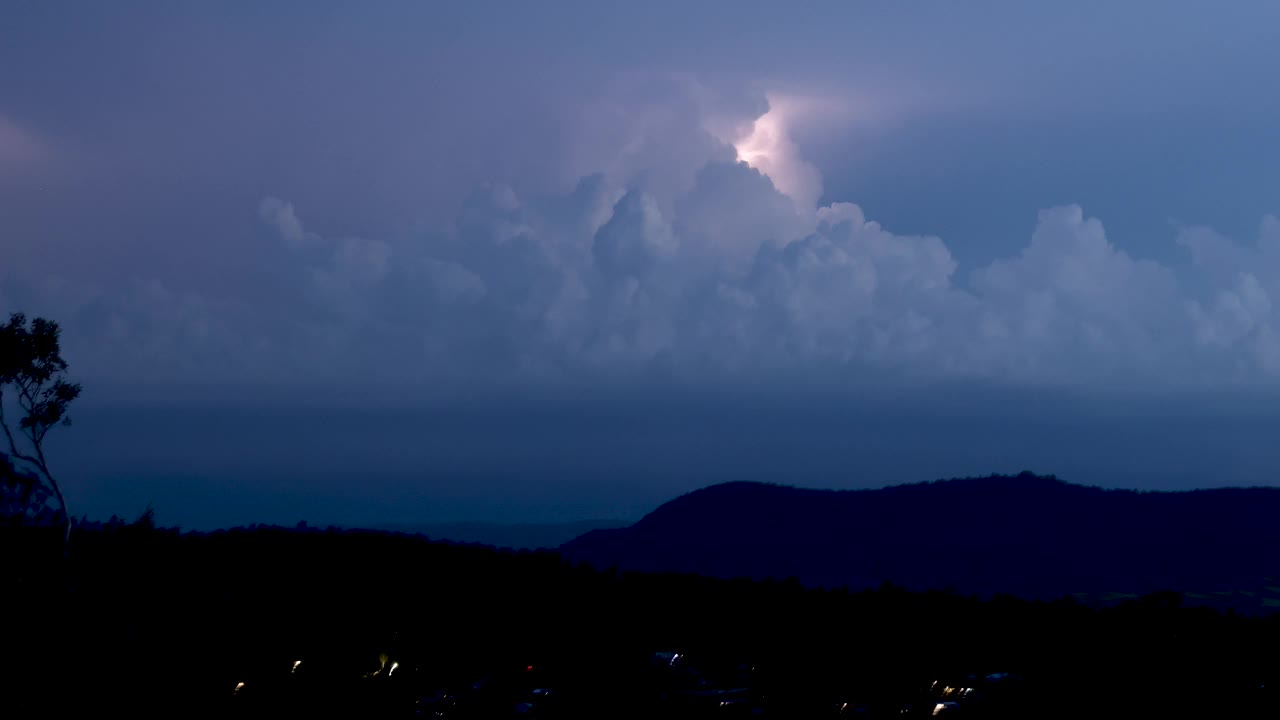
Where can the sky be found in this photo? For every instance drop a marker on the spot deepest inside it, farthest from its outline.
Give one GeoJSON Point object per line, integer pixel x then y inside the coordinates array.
{"type": "Point", "coordinates": [542, 262]}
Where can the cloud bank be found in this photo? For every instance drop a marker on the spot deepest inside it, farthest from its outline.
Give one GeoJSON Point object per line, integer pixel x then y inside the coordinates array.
{"type": "Point", "coordinates": [686, 255]}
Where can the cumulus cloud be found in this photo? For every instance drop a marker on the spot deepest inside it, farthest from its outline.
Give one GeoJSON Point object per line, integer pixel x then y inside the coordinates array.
{"type": "Point", "coordinates": [654, 132]}
{"type": "Point", "coordinates": [1071, 296]}
{"type": "Point", "coordinates": [716, 225]}
{"type": "Point", "coordinates": [1236, 325]}
{"type": "Point", "coordinates": [280, 215]}
{"type": "Point", "coordinates": [635, 240]}
{"type": "Point", "coordinates": [146, 330]}
{"type": "Point", "coordinates": [678, 254]}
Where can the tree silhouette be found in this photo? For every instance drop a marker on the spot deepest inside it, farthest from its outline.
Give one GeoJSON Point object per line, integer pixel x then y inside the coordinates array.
{"type": "Point", "coordinates": [24, 499]}
{"type": "Point", "coordinates": [32, 373]}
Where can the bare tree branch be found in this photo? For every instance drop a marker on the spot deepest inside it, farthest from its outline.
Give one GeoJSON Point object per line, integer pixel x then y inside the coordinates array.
{"type": "Point", "coordinates": [13, 448]}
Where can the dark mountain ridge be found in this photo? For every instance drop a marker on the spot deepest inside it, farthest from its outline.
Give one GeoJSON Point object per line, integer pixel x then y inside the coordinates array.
{"type": "Point", "coordinates": [1027, 535]}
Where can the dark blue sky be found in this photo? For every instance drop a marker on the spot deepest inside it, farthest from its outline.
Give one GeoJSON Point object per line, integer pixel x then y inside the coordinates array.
{"type": "Point", "coordinates": [543, 261]}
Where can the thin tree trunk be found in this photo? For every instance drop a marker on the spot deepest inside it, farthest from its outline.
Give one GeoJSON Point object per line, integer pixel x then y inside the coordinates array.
{"type": "Point", "coordinates": [57, 490]}
{"type": "Point", "coordinates": [66, 516]}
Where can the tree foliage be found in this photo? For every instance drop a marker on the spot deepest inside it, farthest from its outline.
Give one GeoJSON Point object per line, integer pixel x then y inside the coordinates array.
{"type": "Point", "coordinates": [24, 499]}
{"type": "Point", "coordinates": [32, 380]}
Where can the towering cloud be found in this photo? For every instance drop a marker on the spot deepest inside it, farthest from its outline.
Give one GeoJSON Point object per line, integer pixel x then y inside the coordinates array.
{"type": "Point", "coordinates": [686, 253]}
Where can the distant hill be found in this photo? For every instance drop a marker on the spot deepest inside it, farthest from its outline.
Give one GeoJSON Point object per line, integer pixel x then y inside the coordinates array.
{"type": "Point", "coordinates": [529, 536]}
{"type": "Point", "coordinates": [1026, 535]}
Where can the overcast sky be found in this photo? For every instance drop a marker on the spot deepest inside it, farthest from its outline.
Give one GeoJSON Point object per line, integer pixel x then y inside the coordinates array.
{"type": "Point", "coordinates": [400, 261]}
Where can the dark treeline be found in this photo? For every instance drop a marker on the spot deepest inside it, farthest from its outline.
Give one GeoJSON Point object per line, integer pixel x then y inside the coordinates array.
{"type": "Point", "coordinates": [156, 622]}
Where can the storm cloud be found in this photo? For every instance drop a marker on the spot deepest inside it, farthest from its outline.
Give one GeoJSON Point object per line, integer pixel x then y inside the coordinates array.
{"type": "Point", "coordinates": [692, 270]}
{"type": "Point", "coordinates": [877, 227]}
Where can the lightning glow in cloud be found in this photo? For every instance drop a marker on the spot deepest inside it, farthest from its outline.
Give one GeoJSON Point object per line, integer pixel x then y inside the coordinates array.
{"type": "Point", "coordinates": [769, 149]}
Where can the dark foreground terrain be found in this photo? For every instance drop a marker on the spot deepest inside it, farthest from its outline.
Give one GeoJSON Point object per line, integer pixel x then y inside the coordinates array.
{"type": "Point", "coordinates": [271, 622]}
